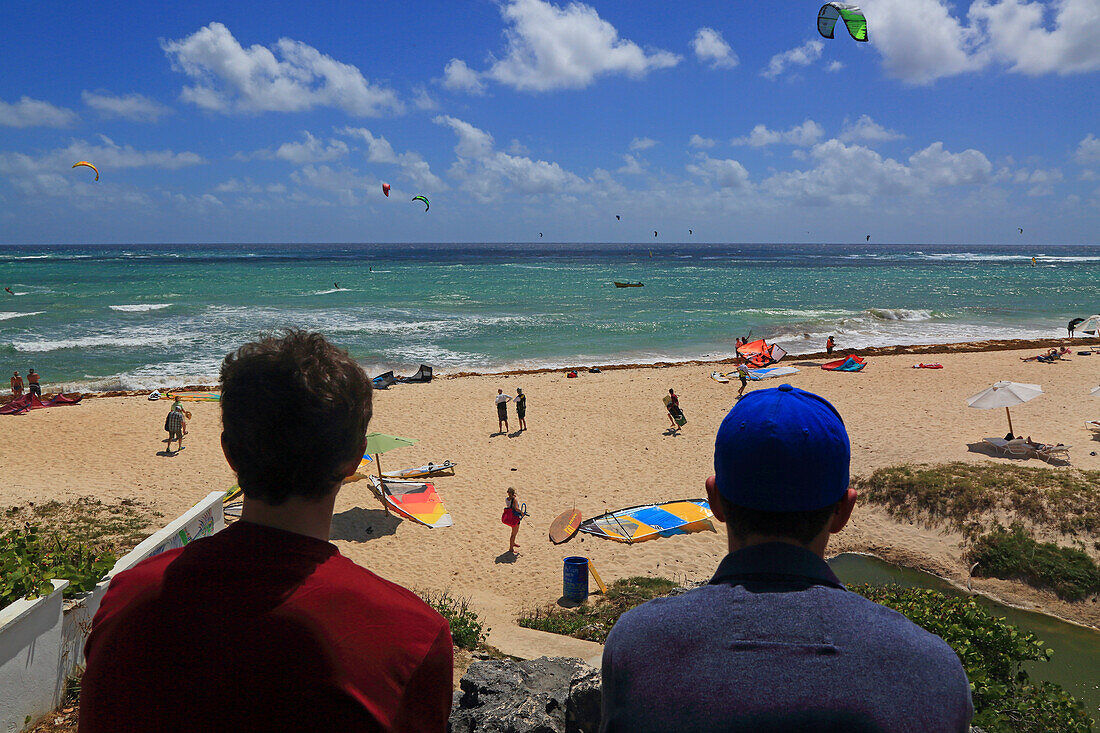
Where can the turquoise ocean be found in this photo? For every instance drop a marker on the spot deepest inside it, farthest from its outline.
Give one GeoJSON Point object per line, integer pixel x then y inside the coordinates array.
{"type": "Point", "coordinates": [114, 317]}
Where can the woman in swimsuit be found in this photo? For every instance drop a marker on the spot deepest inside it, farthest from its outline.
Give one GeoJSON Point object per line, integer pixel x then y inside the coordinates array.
{"type": "Point", "coordinates": [512, 517]}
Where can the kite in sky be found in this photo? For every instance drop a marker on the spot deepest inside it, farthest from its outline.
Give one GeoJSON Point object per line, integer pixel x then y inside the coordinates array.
{"type": "Point", "coordinates": [853, 19]}
{"type": "Point", "coordinates": [425, 200]}
{"type": "Point", "coordinates": [386, 189]}
{"type": "Point", "coordinates": [89, 165]}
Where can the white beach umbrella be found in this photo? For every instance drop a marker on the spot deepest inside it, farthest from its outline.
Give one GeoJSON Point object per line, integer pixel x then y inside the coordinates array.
{"type": "Point", "coordinates": [1004, 394]}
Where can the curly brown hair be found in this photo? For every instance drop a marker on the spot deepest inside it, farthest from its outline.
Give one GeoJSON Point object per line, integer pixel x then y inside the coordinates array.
{"type": "Point", "coordinates": [295, 411]}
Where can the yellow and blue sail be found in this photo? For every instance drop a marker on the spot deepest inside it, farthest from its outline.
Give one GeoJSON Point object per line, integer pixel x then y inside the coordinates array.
{"type": "Point", "coordinates": [647, 521]}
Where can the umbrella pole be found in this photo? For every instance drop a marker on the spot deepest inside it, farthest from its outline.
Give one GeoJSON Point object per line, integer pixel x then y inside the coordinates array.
{"type": "Point", "coordinates": [381, 482]}
{"type": "Point", "coordinates": [1009, 421]}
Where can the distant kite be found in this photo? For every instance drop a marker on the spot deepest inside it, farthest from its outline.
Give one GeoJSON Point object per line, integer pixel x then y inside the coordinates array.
{"type": "Point", "coordinates": [425, 200]}
{"type": "Point", "coordinates": [386, 189]}
{"type": "Point", "coordinates": [617, 217]}
{"type": "Point", "coordinates": [540, 235]}
{"type": "Point", "coordinates": [868, 237]}
{"type": "Point", "coordinates": [655, 232]}
{"type": "Point", "coordinates": [88, 165]}
{"type": "Point", "coordinates": [690, 232]}
{"type": "Point", "coordinates": [1021, 229]}
{"type": "Point", "coordinates": [853, 19]}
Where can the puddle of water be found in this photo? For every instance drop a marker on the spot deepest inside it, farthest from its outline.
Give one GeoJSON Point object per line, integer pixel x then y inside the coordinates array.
{"type": "Point", "coordinates": [1076, 661]}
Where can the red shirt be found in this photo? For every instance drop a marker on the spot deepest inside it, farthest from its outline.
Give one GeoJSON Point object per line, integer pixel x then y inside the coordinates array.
{"type": "Point", "coordinates": [258, 629]}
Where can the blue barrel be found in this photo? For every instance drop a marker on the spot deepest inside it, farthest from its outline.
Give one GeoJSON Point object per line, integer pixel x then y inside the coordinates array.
{"type": "Point", "coordinates": [575, 579]}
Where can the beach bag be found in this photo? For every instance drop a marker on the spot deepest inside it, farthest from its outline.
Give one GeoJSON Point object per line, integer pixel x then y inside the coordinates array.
{"type": "Point", "coordinates": [679, 418]}
{"type": "Point", "coordinates": [510, 517]}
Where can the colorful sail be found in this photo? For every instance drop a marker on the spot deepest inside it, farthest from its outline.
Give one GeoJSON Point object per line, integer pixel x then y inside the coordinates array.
{"type": "Point", "coordinates": [415, 500]}
{"type": "Point", "coordinates": [640, 523]}
{"type": "Point", "coordinates": [192, 396]}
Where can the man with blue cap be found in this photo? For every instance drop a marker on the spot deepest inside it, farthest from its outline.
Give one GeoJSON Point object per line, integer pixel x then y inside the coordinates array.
{"type": "Point", "coordinates": [774, 642]}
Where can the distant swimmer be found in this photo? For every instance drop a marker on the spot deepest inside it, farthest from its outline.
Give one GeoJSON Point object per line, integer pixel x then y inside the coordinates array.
{"type": "Point", "coordinates": [1034, 262]}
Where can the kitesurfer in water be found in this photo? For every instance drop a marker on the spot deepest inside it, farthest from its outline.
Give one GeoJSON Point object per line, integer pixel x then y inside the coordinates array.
{"type": "Point", "coordinates": [9, 291]}
{"type": "Point", "coordinates": [336, 285]}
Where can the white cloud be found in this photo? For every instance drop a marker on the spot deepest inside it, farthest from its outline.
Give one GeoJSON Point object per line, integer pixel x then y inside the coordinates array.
{"type": "Point", "coordinates": [487, 173]}
{"type": "Point", "coordinates": [1040, 182]}
{"type": "Point", "coordinates": [867, 130]}
{"type": "Point", "coordinates": [551, 47]}
{"type": "Point", "coordinates": [29, 112]}
{"type": "Point", "coordinates": [412, 166]}
{"type": "Point", "coordinates": [1016, 34]}
{"type": "Point", "coordinates": [1088, 151]}
{"type": "Point", "coordinates": [642, 143]}
{"type": "Point", "coordinates": [631, 166]}
{"type": "Point", "coordinates": [920, 41]}
{"type": "Point", "coordinates": [834, 66]}
{"type": "Point", "coordinates": [803, 55]}
{"type": "Point", "coordinates": [711, 48]}
{"type": "Point", "coordinates": [458, 77]}
{"type": "Point", "coordinates": [856, 175]}
{"type": "Point", "coordinates": [698, 141]}
{"type": "Point", "coordinates": [808, 133]}
{"type": "Point", "coordinates": [310, 150]}
{"type": "Point", "coordinates": [136, 107]}
{"type": "Point", "coordinates": [723, 173]}
{"type": "Point", "coordinates": [422, 100]}
{"type": "Point", "coordinates": [289, 77]}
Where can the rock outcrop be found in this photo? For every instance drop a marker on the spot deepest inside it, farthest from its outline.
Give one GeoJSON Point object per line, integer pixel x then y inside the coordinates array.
{"type": "Point", "coordinates": [544, 695]}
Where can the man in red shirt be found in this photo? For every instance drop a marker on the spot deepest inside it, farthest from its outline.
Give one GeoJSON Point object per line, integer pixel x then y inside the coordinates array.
{"type": "Point", "coordinates": [265, 626]}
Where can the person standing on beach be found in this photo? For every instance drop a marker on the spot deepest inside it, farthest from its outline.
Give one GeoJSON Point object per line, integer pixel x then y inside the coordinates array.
{"type": "Point", "coordinates": [33, 387]}
{"type": "Point", "coordinates": [502, 401]}
{"type": "Point", "coordinates": [16, 385]}
{"type": "Point", "coordinates": [176, 425]}
{"type": "Point", "coordinates": [672, 406]}
{"type": "Point", "coordinates": [829, 344]}
{"type": "Point", "coordinates": [265, 626]}
{"type": "Point", "coordinates": [521, 408]}
{"type": "Point", "coordinates": [743, 375]}
{"type": "Point", "coordinates": [512, 516]}
{"type": "Point", "coordinates": [774, 641]}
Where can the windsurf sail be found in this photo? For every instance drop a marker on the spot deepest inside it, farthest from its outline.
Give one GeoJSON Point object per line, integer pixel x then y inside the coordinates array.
{"type": "Point", "coordinates": [192, 396]}
{"type": "Point", "coordinates": [1090, 325]}
{"type": "Point", "coordinates": [851, 364]}
{"type": "Point", "coordinates": [640, 523]}
{"type": "Point", "coordinates": [757, 374]}
{"type": "Point", "coordinates": [384, 381]}
{"type": "Point", "coordinates": [431, 469]}
{"type": "Point", "coordinates": [760, 354]}
{"type": "Point", "coordinates": [415, 500]}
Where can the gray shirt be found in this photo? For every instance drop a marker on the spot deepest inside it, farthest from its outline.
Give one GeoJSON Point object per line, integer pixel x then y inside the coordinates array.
{"type": "Point", "coordinates": [775, 643]}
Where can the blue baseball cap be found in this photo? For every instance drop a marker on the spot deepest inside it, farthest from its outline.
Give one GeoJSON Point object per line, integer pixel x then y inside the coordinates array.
{"type": "Point", "coordinates": [782, 450]}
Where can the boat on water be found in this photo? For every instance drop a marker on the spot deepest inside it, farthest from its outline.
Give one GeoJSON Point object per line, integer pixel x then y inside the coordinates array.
{"type": "Point", "coordinates": [629, 285]}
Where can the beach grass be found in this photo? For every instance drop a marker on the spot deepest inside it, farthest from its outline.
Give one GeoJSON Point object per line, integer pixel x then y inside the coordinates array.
{"type": "Point", "coordinates": [593, 619]}
{"type": "Point", "coordinates": [1013, 554]}
{"type": "Point", "coordinates": [968, 497]}
{"type": "Point", "coordinates": [467, 631]}
{"type": "Point", "coordinates": [115, 528]}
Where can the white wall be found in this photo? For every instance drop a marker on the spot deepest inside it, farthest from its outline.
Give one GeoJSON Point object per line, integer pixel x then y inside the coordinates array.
{"type": "Point", "coordinates": [30, 658]}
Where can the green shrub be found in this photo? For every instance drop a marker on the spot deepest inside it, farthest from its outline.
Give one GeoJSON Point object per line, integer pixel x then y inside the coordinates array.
{"type": "Point", "coordinates": [1013, 554]}
{"type": "Point", "coordinates": [992, 652]}
{"type": "Point", "coordinates": [467, 630]}
{"type": "Point", "coordinates": [28, 562]}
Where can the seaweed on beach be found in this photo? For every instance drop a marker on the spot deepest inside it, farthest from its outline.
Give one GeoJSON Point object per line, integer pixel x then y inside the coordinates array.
{"type": "Point", "coordinates": [967, 497]}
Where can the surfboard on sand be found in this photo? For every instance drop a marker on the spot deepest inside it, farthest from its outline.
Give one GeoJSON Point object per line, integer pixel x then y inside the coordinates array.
{"type": "Point", "coordinates": [719, 377]}
{"type": "Point", "coordinates": [565, 526]}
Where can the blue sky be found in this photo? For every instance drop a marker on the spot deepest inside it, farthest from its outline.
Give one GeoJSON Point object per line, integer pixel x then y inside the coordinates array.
{"type": "Point", "coordinates": [261, 122]}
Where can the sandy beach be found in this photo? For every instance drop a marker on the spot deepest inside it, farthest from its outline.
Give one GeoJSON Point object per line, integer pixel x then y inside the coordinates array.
{"type": "Point", "coordinates": [599, 442]}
